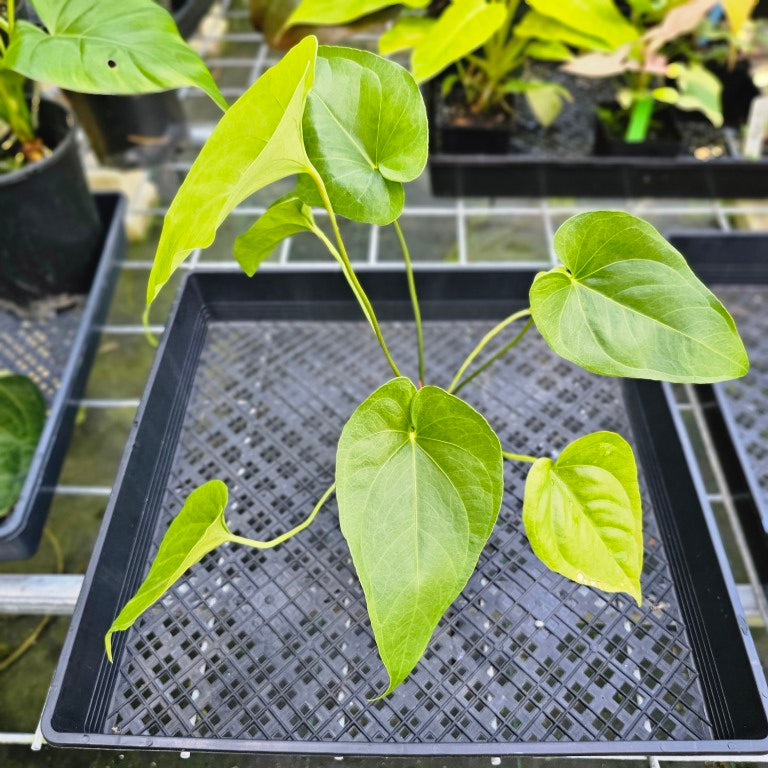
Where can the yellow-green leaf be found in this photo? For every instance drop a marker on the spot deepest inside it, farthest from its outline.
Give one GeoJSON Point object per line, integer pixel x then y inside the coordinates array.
{"type": "Point", "coordinates": [257, 141]}
{"type": "Point", "coordinates": [583, 515]}
{"type": "Point", "coordinates": [407, 32]}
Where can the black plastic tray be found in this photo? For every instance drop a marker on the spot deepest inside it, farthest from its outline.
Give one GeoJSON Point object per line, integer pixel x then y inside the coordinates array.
{"type": "Point", "coordinates": [528, 176]}
{"type": "Point", "coordinates": [56, 351]}
{"type": "Point", "coordinates": [272, 651]}
{"type": "Point", "coordinates": [735, 264]}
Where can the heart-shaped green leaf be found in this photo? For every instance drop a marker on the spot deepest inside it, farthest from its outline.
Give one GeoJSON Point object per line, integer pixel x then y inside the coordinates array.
{"type": "Point", "coordinates": [256, 142]}
{"type": "Point", "coordinates": [130, 46]}
{"type": "Point", "coordinates": [285, 217]}
{"type": "Point", "coordinates": [22, 416]}
{"type": "Point", "coordinates": [198, 529]}
{"type": "Point", "coordinates": [365, 130]}
{"type": "Point", "coordinates": [583, 516]}
{"type": "Point", "coordinates": [627, 304]}
{"type": "Point", "coordinates": [419, 482]}
{"type": "Point", "coordinates": [463, 26]}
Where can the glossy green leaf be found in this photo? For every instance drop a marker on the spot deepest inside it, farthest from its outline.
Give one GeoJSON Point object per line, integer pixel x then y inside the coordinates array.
{"type": "Point", "coordinates": [119, 47]}
{"type": "Point", "coordinates": [419, 482]}
{"type": "Point", "coordinates": [583, 515]}
{"type": "Point", "coordinates": [463, 26]}
{"type": "Point", "coordinates": [600, 19]}
{"type": "Point", "coordinates": [343, 11]}
{"type": "Point", "coordinates": [627, 304]}
{"type": "Point", "coordinates": [407, 32]}
{"type": "Point", "coordinates": [22, 416]}
{"type": "Point", "coordinates": [198, 529]}
{"type": "Point", "coordinates": [285, 217]}
{"type": "Point", "coordinates": [258, 141]}
{"type": "Point", "coordinates": [365, 130]}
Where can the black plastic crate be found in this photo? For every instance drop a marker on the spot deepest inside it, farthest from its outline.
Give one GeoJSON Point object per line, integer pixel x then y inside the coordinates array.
{"type": "Point", "coordinates": [56, 350]}
{"type": "Point", "coordinates": [735, 264]}
{"type": "Point", "coordinates": [272, 651]}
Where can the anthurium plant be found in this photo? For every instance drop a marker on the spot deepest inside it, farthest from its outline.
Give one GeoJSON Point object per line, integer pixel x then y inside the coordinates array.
{"type": "Point", "coordinates": [419, 472]}
{"type": "Point", "coordinates": [88, 46]}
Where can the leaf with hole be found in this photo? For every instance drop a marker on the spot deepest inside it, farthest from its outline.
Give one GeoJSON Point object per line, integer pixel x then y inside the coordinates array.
{"type": "Point", "coordinates": [257, 142]}
{"type": "Point", "coordinates": [625, 303]}
{"type": "Point", "coordinates": [419, 482]}
{"type": "Point", "coordinates": [130, 46]}
{"type": "Point", "coordinates": [583, 515]}
{"type": "Point", "coordinates": [285, 217]}
{"type": "Point", "coordinates": [198, 529]}
{"type": "Point", "coordinates": [365, 129]}
{"type": "Point", "coordinates": [22, 416]}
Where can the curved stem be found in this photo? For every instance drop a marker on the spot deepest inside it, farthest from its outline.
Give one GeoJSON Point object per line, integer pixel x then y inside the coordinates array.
{"type": "Point", "coordinates": [519, 457]}
{"type": "Point", "coordinates": [487, 338]}
{"type": "Point", "coordinates": [488, 363]}
{"type": "Point", "coordinates": [414, 297]}
{"type": "Point", "coordinates": [288, 534]}
{"type": "Point", "coordinates": [11, 15]}
{"type": "Point", "coordinates": [343, 257]}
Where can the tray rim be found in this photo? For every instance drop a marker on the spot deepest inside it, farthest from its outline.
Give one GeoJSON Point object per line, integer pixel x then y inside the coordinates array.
{"type": "Point", "coordinates": [30, 510]}
{"type": "Point", "coordinates": [752, 239]}
{"type": "Point", "coordinates": [437, 750]}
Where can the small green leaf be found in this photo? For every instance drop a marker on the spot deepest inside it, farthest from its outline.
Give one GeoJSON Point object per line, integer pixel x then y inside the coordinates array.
{"type": "Point", "coordinates": [343, 11]}
{"type": "Point", "coordinates": [365, 130]}
{"type": "Point", "coordinates": [627, 304]}
{"type": "Point", "coordinates": [463, 26]}
{"type": "Point", "coordinates": [258, 141]}
{"type": "Point", "coordinates": [22, 416]}
{"type": "Point", "coordinates": [540, 27]}
{"type": "Point", "coordinates": [407, 32]}
{"type": "Point", "coordinates": [419, 482]}
{"type": "Point", "coordinates": [545, 101]}
{"type": "Point", "coordinates": [285, 217]}
{"type": "Point", "coordinates": [120, 47]}
{"type": "Point", "coordinates": [548, 50]}
{"type": "Point", "coordinates": [198, 529]}
{"type": "Point", "coordinates": [583, 514]}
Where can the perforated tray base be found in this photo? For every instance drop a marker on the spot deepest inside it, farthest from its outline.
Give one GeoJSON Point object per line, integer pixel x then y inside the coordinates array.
{"type": "Point", "coordinates": [54, 347]}
{"type": "Point", "coordinates": [273, 650]}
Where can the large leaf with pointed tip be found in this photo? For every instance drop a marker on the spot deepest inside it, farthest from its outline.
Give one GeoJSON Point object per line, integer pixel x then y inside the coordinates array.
{"type": "Point", "coordinates": [463, 26]}
{"type": "Point", "coordinates": [258, 141]}
{"type": "Point", "coordinates": [130, 46]}
{"type": "Point", "coordinates": [22, 416]}
{"type": "Point", "coordinates": [583, 515]}
{"type": "Point", "coordinates": [599, 19]}
{"type": "Point", "coordinates": [285, 217]}
{"type": "Point", "coordinates": [419, 482]}
{"type": "Point", "coordinates": [627, 304]}
{"type": "Point", "coordinates": [198, 529]}
{"type": "Point", "coordinates": [365, 130]}
{"type": "Point", "coordinates": [343, 11]}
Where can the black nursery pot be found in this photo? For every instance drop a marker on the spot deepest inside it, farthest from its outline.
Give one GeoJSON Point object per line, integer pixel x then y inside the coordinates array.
{"type": "Point", "coordinates": [738, 92]}
{"type": "Point", "coordinates": [130, 131]}
{"type": "Point", "coordinates": [49, 222]}
{"type": "Point", "coordinates": [664, 139]}
{"type": "Point", "coordinates": [469, 139]}
{"type": "Point", "coordinates": [188, 13]}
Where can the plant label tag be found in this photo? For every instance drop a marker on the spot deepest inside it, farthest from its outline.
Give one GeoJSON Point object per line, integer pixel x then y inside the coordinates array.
{"type": "Point", "coordinates": [757, 128]}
